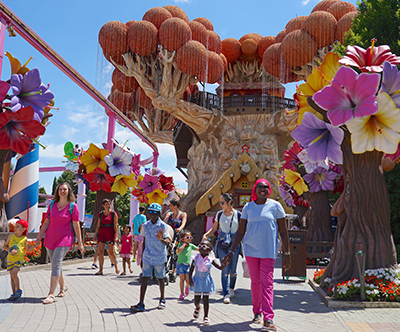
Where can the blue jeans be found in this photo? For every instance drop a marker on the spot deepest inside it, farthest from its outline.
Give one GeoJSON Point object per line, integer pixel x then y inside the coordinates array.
{"type": "Point", "coordinates": [229, 270]}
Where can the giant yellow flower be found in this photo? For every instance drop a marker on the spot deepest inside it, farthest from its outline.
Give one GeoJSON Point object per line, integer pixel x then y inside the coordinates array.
{"type": "Point", "coordinates": [295, 180]}
{"type": "Point", "coordinates": [156, 196]}
{"type": "Point", "coordinates": [94, 157]}
{"type": "Point", "coordinates": [123, 182]}
{"type": "Point", "coordinates": [380, 131]}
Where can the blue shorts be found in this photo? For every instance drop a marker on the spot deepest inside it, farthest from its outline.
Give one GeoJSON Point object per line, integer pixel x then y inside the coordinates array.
{"type": "Point", "coordinates": [159, 270]}
{"type": "Point", "coordinates": [182, 268]}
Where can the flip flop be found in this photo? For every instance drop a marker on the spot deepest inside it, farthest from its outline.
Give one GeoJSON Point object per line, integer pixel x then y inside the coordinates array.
{"type": "Point", "coordinates": [99, 273]}
{"type": "Point", "coordinates": [123, 274]}
{"type": "Point", "coordinates": [49, 299]}
{"type": "Point", "coordinates": [62, 292]}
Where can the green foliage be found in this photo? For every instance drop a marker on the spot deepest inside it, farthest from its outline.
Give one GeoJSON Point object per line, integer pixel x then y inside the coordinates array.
{"type": "Point", "coordinates": [339, 49]}
{"type": "Point", "coordinates": [123, 205]}
{"type": "Point", "coordinates": [378, 19]}
{"type": "Point", "coordinates": [393, 183]}
{"type": "Point", "coordinates": [42, 191]}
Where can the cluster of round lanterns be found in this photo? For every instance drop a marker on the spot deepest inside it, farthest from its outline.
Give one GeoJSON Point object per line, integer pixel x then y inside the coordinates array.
{"type": "Point", "coordinates": [298, 43]}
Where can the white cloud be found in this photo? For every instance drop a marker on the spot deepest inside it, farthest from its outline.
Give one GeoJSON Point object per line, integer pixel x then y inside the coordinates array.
{"type": "Point", "coordinates": [182, 1]}
{"type": "Point", "coordinates": [83, 114]}
{"type": "Point", "coordinates": [305, 2]}
{"type": "Point", "coordinates": [53, 151]}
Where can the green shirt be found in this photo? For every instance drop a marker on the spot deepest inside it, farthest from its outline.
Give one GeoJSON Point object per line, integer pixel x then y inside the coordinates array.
{"type": "Point", "coordinates": [186, 255]}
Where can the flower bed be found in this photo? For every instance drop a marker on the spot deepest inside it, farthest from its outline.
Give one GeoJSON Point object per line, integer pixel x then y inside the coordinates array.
{"type": "Point", "coordinates": [380, 285]}
{"type": "Point", "coordinates": [318, 261]}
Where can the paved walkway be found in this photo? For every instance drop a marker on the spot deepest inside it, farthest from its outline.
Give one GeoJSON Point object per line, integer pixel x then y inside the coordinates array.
{"type": "Point", "coordinates": [101, 303]}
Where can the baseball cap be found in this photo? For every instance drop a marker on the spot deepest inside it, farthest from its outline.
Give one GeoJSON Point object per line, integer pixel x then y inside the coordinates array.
{"type": "Point", "coordinates": [24, 224]}
{"type": "Point", "coordinates": [155, 207]}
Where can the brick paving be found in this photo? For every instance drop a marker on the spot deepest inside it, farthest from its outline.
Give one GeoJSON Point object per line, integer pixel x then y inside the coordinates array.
{"type": "Point", "coordinates": [101, 303]}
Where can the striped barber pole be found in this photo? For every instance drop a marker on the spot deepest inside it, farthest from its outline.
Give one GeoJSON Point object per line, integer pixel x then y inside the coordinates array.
{"type": "Point", "coordinates": [24, 190]}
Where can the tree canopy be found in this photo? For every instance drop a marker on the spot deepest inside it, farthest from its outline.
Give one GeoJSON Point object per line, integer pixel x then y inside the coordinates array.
{"type": "Point", "coordinates": [378, 19]}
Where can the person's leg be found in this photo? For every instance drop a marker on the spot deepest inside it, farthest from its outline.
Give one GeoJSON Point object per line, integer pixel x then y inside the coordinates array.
{"type": "Point", "coordinates": [14, 279]}
{"type": "Point", "coordinates": [206, 305]}
{"type": "Point", "coordinates": [128, 260]}
{"type": "Point", "coordinates": [143, 287]}
{"type": "Point", "coordinates": [113, 257]}
{"type": "Point", "coordinates": [224, 273]}
{"type": "Point", "coordinates": [96, 254]}
{"type": "Point", "coordinates": [124, 265]}
{"type": "Point", "coordinates": [159, 272]}
{"type": "Point", "coordinates": [254, 270]}
{"type": "Point", "coordinates": [187, 283]}
{"type": "Point", "coordinates": [134, 248]}
{"type": "Point", "coordinates": [100, 252]}
{"type": "Point", "coordinates": [56, 256]}
{"type": "Point", "coordinates": [267, 285]}
{"type": "Point", "coordinates": [181, 282]}
{"type": "Point", "coordinates": [232, 269]}
{"type": "Point", "coordinates": [197, 299]}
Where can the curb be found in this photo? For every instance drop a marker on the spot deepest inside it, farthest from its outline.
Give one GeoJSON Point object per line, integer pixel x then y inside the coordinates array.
{"type": "Point", "coordinates": [349, 304]}
{"type": "Point", "coordinates": [67, 262]}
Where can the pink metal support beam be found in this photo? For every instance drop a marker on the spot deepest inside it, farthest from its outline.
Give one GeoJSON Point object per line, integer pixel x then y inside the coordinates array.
{"type": "Point", "coordinates": [32, 38]}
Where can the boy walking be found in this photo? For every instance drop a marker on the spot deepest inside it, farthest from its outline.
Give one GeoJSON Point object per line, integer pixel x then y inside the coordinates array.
{"type": "Point", "coordinates": [137, 221]}
{"type": "Point", "coordinates": [155, 236]}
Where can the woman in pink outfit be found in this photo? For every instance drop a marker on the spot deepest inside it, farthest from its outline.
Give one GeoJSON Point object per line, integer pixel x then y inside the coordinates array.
{"type": "Point", "coordinates": [261, 220]}
{"type": "Point", "coordinates": [62, 219]}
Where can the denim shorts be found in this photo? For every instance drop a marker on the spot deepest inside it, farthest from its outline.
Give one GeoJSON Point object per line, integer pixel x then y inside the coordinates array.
{"type": "Point", "coordinates": [182, 268]}
{"type": "Point", "coordinates": [159, 270]}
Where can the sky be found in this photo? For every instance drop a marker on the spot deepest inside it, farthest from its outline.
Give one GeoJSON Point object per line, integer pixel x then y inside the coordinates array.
{"type": "Point", "coordinates": [71, 29]}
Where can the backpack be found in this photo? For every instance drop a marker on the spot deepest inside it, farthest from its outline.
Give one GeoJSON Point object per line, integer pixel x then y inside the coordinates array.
{"type": "Point", "coordinates": [71, 208]}
{"type": "Point", "coordinates": [101, 217]}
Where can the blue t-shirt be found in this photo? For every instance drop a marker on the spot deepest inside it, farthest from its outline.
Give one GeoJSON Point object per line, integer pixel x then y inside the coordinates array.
{"type": "Point", "coordinates": [261, 239]}
{"type": "Point", "coordinates": [155, 253]}
{"type": "Point", "coordinates": [138, 220]}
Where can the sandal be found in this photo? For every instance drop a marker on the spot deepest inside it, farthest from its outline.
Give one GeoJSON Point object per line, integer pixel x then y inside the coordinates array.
{"type": "Point", "coordinates": [49, 299]}
{"type": "Point", "coordinates": [62, 292]}
{"type": "Point", "coordinates": [99, 273]}
{"type": "Point", "coordinates": [196, 313]}
{"type": "Point", "coordinates": [130, 270]}
{"type": "Point", "coordinates": [123, 274]}
{"type": "Point", "coordinates": [12, 297]}
{"type": "Point", "coordinates": [161, 305]}
{"type": "Point", "coordinates": [206, 321]}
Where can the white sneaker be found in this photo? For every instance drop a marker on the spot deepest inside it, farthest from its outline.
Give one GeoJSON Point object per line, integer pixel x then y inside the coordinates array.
{"type": "Point", "coordinates": [227, 300]}
{"type": "Point", "coordinates": [231, 293]}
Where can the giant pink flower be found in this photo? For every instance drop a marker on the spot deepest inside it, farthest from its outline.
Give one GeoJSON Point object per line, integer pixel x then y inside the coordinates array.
{"type": "Point", "coordinates": [370, 60]}
{"type": "Point", "coordinates": [349, 96]}
{"type": "Point", "coordinates": [290, 157]}
{"type": "Point", "coordinates": [18, 128]}
{"type": "Point", "coordinates": [149, 183]}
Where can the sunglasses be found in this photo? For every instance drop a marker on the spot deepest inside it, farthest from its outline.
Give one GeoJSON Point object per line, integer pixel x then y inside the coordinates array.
{"type": "Point", "coordinates": [222, 202]}
{"type": "Point", "coordinates": [263, 187]}
{"type": "Point", "coordinates": [204, 246]}
{"type": "Point", "coordinates": [153, 211]}
{"type": "Point", "coordinates": [188, 237]}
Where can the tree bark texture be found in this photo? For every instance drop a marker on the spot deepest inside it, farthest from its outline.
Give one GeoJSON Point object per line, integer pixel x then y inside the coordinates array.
{"type": "Point", "coordinates": [364, 217]}
{"type": "Point", "coordinates": [319, 221]}
{"type": "Point", "coordinates": [3, 194]}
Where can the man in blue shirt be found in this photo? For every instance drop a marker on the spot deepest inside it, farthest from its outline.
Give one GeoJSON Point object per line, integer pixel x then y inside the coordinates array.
{"type": "Point", "coordinates": [137, 221]}
{"type": "Point", "coordinates": [155, 236]}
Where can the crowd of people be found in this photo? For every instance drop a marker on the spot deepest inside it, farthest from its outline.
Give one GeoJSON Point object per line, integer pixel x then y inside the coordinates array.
{"type": "Point", "coordinates": [252, 233]}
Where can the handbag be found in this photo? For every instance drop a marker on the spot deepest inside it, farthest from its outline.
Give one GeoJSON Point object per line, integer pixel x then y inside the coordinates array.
{"type": "Point", "coordinates": [225, 239]}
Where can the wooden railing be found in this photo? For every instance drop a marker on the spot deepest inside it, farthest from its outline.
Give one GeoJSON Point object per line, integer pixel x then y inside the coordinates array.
{"type": "Point", "coordinates": [210, 100]}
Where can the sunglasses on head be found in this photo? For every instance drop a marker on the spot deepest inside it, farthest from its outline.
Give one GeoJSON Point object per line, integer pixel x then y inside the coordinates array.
{"type": "Point", "coordinates": [153, 211]}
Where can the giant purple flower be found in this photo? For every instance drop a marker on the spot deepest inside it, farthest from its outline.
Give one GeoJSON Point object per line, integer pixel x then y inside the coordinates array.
{"type": "Point", "coordinates": [155, 171]}
{"type": "Point", "coordinates": [320, 179]}
{"type": "Point", "coordinates": [118, 162]}
{"type": "Point", "coordinates": [320, 138]}
{"type": "Point", "coordinates": [391, 82]}
{"type": "Point", "coordinates": [149, 183]}
{"type": "Point", "coordinates": [28, 90]}
{"type": "Point", "coordinates": [349, 96]}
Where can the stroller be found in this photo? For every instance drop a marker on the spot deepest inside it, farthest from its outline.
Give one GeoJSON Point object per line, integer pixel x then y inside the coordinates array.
{"type": "Point", "coordinates": [172, 256]}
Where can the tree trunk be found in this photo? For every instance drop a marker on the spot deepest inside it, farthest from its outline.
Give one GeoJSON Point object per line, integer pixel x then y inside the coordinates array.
{"type": "Point", "coordinates": [319, 220]}
{"type": "Point", "coordinates": [4, 197]}
{"type": "Point", "coordinates": [364, 217]}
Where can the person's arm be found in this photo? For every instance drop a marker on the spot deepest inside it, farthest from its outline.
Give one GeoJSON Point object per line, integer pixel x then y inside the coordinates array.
{"type": "Point", "coordinates": [28, 246]}
{"type": "Point", "coordinates": [96, 232]}
{"type": "Point", "coordinates": [115, 227]}
{"type": "Point", "coordinates": [211, 231]}
{"type": "Point", "coordinates": [131, 244]}
{"type": "Point", "coordinates": [42, 230]}
{"type": "Point", "coordinates": [191, 283]}
{"type": "Point", "coordinates": [7, 248]}
{"type": "Point", "coordinates": [182, 247]}
{"type": "Point", "coordinates": [184, 220]}
{"type": "Point", "coordinates": [167, 217]}
{"type": "Point", "coordinates": [219, 267]}
{"type": "Point", "coordinates": [77, 229]}
{"type": "Point", "coordinates": [236, 241]}
{"type": "Point", "coordinates": [285, 241]}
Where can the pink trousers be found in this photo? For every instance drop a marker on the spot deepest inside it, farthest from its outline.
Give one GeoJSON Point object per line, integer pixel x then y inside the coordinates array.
{"type": "Point", "coordinates": [262, 285]}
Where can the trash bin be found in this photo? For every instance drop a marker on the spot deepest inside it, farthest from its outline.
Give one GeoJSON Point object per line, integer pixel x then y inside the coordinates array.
{"type": "Point", "coordinates": [298, 244]}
